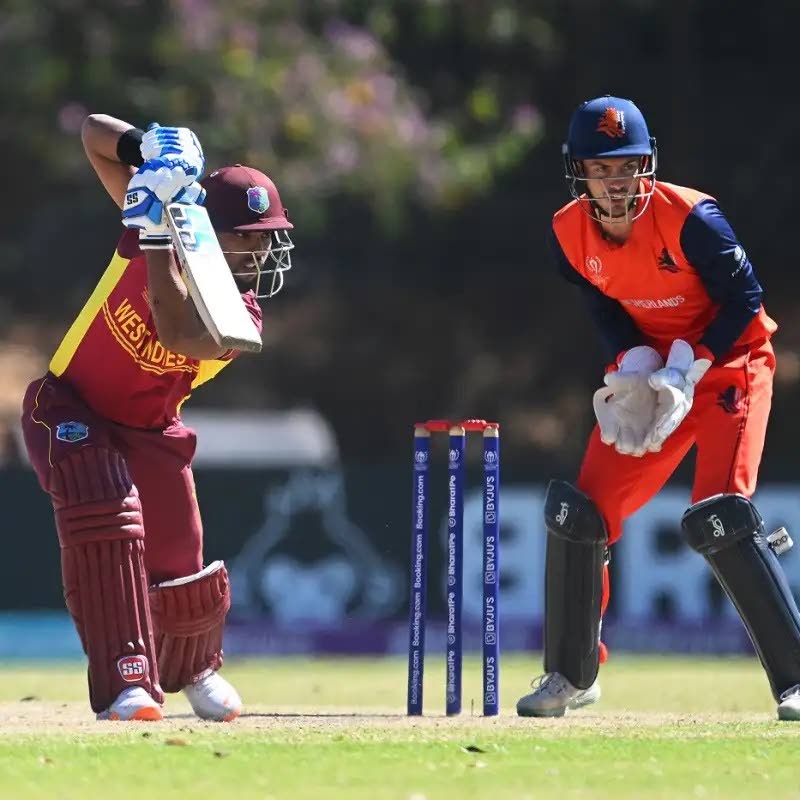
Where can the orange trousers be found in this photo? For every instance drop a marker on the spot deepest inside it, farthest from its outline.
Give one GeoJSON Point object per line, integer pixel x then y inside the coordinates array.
{"type": "Point", "coordinates": [727, 423]}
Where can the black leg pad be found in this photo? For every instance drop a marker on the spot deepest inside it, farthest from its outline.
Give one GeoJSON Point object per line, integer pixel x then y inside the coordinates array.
{"type": "Point", "coordinates": [729, 532]}
{"type": "Point", "coordinates": [576, 547]}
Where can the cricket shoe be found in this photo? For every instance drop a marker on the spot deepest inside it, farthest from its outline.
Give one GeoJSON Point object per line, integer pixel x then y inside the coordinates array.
{"type": "Point", "coordinates": [789, 706]}
{"type": "Point", "coordinates": [213, 698]}
{"type": "Point", "coordinates": [553, 694]}
{"type": "Point", "coordinates": [133, 703]}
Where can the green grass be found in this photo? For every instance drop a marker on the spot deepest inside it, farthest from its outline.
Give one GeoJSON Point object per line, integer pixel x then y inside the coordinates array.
{"type": "Point", "coordinates": [665, 728]}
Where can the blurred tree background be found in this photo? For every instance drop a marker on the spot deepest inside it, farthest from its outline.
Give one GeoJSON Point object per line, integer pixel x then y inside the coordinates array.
{"type": "Point", "coordinates": [416, 146]}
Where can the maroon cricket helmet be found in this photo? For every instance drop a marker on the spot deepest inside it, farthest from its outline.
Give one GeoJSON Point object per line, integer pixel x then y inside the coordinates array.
{"type": "Point", "coordinates": [241, 199]}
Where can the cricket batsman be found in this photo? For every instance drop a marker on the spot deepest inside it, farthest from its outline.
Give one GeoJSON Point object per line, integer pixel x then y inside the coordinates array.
{"type": "Point", "coordinates": [103, 430]}
{"type": "Point", "coordinates": [675, 298]}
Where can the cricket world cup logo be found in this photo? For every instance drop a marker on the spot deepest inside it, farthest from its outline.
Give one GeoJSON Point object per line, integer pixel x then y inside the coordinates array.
{"type": "Point", "coordinates": [594, 268]}
{"type": "Point", "coordinates": [333, 570]}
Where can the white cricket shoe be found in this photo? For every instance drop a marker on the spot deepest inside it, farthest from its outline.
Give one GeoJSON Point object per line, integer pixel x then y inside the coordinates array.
{"type": "Point", "coordinates": [213, 698]}
{"type": "Point", "coordinates": [133, 703]}
{"type": "Point", "coordinates": [789, 706]}
{"type": "Point", "coordinates": [553, 694]}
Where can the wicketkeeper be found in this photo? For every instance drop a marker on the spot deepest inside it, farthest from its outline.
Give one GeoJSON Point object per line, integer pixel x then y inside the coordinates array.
{"type": "Point", "coordinates": [104, 433]}
{"type": "Point", "coordinates": [676, 299]}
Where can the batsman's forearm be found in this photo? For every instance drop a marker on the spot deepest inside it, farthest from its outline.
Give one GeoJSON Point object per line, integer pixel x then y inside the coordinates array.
{"type": "Point", "coordinates": [173, 309]}
{"type": "Point", "coordinates": [100, 135]}
{"type": "Point", "coordinates": [178, 326]}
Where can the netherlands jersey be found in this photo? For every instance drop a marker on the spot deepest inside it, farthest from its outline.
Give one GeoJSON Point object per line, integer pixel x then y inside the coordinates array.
{"type": "Point", "coordinates": [111, 355]}
{"type": "Point", "coordinates": [681, 274]}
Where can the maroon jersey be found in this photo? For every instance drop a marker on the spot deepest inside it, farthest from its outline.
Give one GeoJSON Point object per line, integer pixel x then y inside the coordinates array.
{"type": "Point", "coordinates": [112, 357]}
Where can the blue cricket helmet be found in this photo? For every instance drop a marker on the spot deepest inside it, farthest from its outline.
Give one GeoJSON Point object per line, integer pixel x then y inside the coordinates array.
{"type": "Point", "coordinates": [609, 127]}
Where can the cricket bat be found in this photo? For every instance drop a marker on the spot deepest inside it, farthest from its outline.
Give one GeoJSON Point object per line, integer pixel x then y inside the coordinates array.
{"type": "Point", "coordinates": [209, 279]}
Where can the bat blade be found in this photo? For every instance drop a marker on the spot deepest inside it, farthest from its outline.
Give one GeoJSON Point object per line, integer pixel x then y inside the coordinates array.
{"type": "Point", "coordinates": [209, 279]}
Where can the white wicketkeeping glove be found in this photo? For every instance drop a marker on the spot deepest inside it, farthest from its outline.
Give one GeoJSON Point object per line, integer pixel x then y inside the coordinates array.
{"type": "Point", "coordinates": [155, 184]}
{"type": "Point", "coordinates": [674, 385]}
{"type": "Point", "coordinates": [177, 147]}
{"type": "Point", "coordinates": [625, 406]}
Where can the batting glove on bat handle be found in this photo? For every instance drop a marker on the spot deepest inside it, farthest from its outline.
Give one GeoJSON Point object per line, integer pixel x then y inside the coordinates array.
{"type": "Point", "coordinates": [153, 185]}
{"type": "Point", "coordinates": [176, 146]}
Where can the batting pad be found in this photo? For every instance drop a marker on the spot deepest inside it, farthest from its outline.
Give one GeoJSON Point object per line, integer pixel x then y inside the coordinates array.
{"type": "Point", "coordinates": [729, 532]}
{"type": "Point", "coordinates": [189, 617]}
{"type": "Point", "coordinates": [576, 546]}
{"type": "Point", "coordinates": [99, 523]}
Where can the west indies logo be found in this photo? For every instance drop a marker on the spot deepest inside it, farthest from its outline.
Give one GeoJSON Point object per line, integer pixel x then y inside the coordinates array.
{"type": "Point", "coordinates": [257, 199]}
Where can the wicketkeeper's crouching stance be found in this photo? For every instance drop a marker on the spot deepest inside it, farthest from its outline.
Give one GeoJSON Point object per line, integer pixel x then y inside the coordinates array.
{"type": "Point", "coordinates": [674, 295]}
{"type": "Point", "coordinates": [726, 530]}
{"type": "Point", "coordinates": [103, 429]}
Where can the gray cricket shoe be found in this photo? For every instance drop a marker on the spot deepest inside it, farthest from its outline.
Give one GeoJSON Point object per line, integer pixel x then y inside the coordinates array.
{"type": "Point", "coordinates": [553, 694]}
{"type": "Point", "coordinates": [133, 703]}
{"type": "Point", "coordinates": [789, 706]}
{"type": "Point", "coordinates": [213, 698]}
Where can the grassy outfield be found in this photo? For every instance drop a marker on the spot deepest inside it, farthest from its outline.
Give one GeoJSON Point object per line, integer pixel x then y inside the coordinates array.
{"type": "Point", "coordinates": [665, 728]}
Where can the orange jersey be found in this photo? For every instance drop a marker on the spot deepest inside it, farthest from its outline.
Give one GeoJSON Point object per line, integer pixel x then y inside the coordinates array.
{"type": "Point", "coordinates": [111, 355]}
{"type": "Point", "coordinates": [681, 274]}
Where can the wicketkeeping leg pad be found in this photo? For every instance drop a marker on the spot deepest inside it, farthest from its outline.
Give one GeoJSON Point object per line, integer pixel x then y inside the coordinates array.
{"type": "Point", "coordinates": [729, 532]}
{"type": "Point", "coordinates": [576, 549]}
{"type": "Point", "coordinates": [100, 530]}
{"type": "Point", "coordinates": [189, 617]}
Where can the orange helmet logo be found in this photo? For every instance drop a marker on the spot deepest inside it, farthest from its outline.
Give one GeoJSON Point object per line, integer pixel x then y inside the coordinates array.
{"type": "Point", "coordinates": [612, 123]}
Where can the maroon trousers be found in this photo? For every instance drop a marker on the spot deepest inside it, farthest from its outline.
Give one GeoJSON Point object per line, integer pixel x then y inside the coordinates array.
{"type": "Point", "coordinates": [127, 517]}
{"type": "Point", "coordinates": [159, 463]}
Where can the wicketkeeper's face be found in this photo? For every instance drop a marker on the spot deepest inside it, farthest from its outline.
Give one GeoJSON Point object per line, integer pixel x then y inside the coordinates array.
{"type": "Point", "coordinates": [612, 183]}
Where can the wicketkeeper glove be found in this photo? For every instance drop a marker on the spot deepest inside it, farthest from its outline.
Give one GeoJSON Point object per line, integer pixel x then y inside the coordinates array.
{"type": "Point", "coordinates": [674, 385]}
{"type": "Point", "coordinates": [625, 406]}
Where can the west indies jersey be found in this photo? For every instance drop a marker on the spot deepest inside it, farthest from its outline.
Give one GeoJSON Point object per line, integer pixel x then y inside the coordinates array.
{"type": "Point", "coordinates": [111, 355]}
{"type": "Point", "coordinates": [681, 274]}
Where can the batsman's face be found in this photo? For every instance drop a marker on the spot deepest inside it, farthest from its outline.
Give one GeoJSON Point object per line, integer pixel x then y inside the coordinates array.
{"type": "Point", "coordinates": [245, 253]}
{"type": "Point", "coordinates": [612, 182]}
{"type": "Point", "coordinates": [258, 259]}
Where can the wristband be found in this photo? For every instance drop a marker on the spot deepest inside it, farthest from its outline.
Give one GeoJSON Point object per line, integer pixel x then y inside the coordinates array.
{"type": "Point", "coordinates": [154, 242]}
{"type": "Point", "coordinates": [128, 147]}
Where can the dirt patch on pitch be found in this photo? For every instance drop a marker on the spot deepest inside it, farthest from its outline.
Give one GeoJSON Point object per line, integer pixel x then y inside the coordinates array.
{"type": "Point", "coordinates": [75, 719]}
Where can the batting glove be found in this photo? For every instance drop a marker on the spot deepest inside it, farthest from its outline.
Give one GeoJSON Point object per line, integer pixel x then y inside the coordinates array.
{"type": "Point", "coordinates": [176, 146]}
{"type": "Point", "coordinates": [155, 184]}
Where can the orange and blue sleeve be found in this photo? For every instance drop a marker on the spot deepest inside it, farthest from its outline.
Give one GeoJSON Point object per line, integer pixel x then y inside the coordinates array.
{"type": "Point", "coordinates": [617, 328]}
{"type": "Point", "coordinates": [711, 247]}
